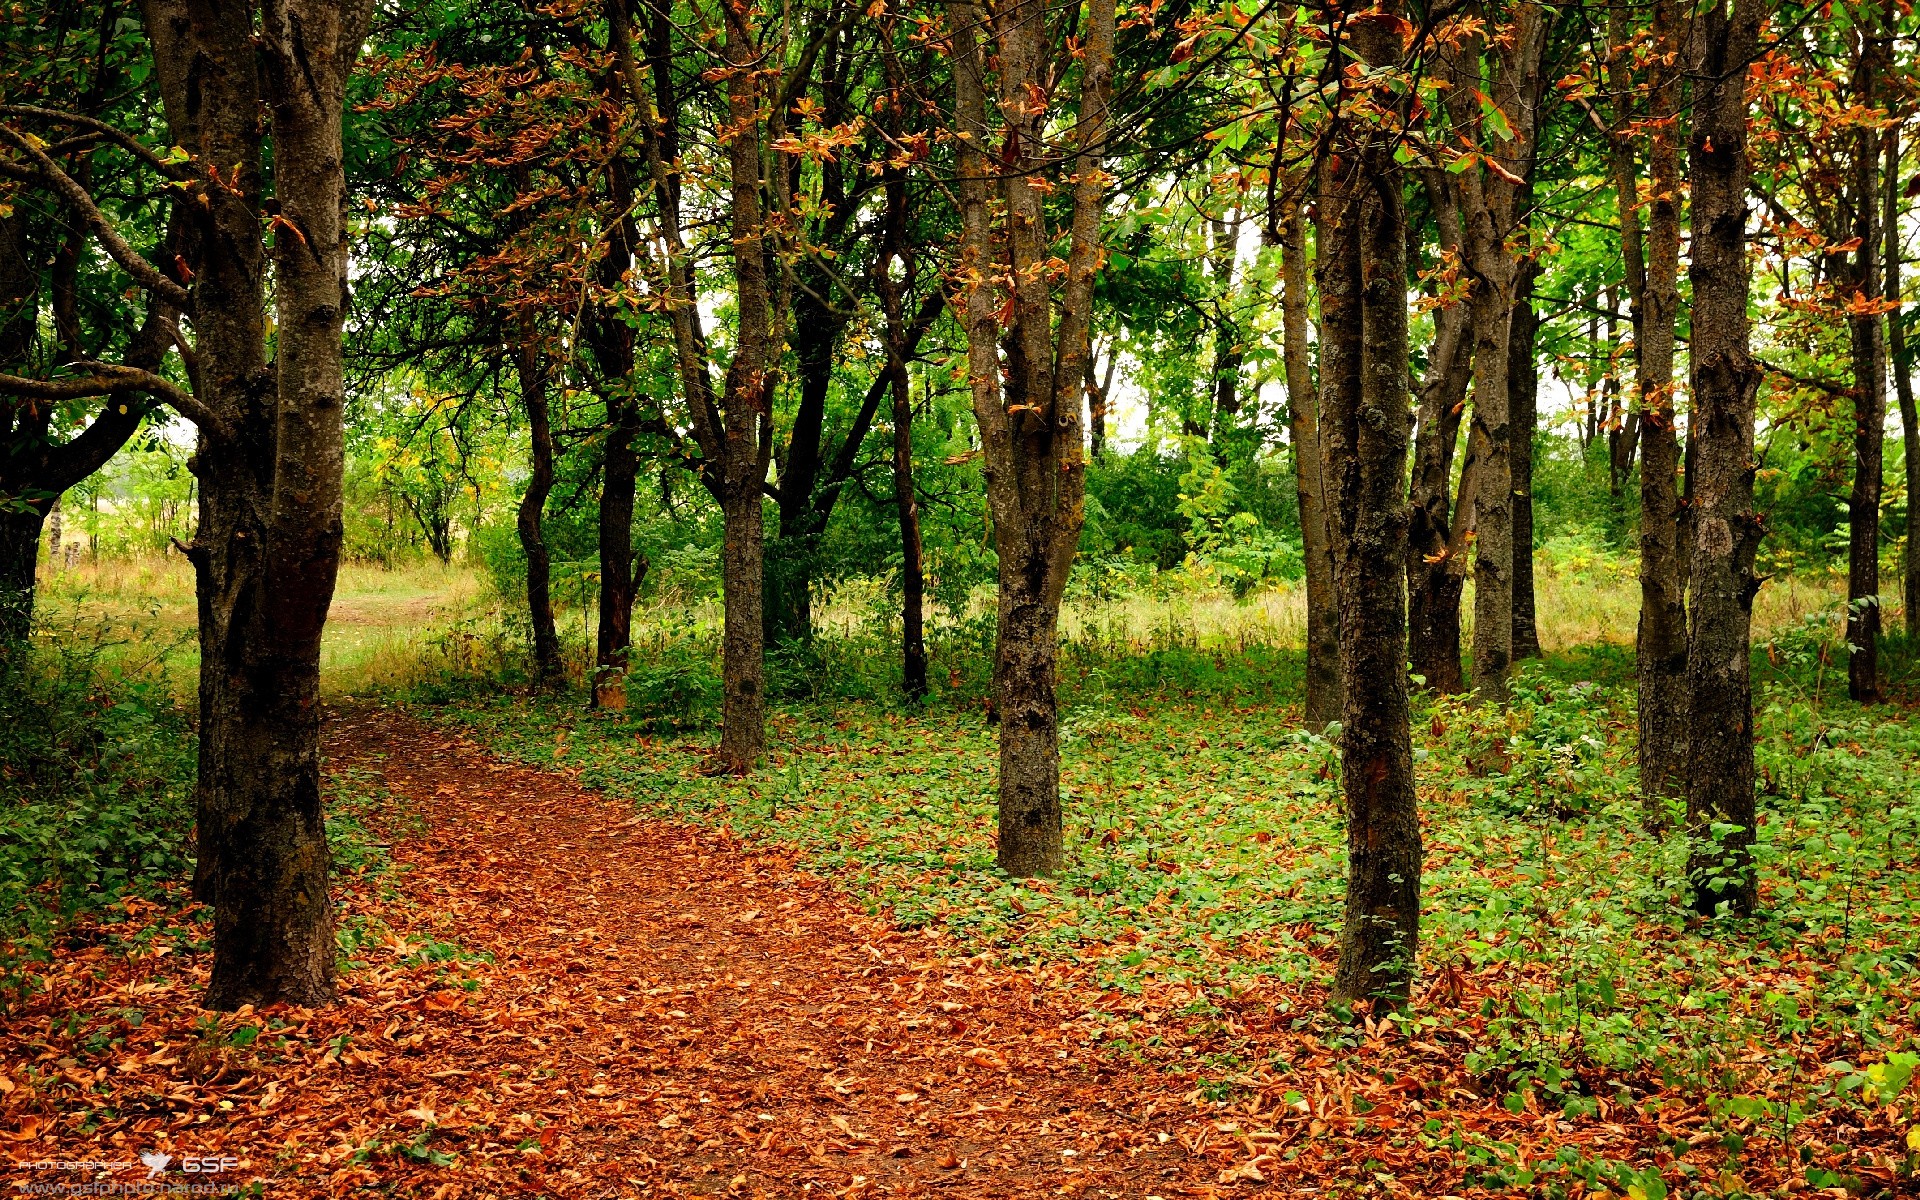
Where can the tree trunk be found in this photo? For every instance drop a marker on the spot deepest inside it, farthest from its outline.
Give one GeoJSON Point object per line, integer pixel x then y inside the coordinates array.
{"type": "Point", "coordinates": [1029, 819]}
{"type": "Point", "coordinates": [1439, 524]}
{"type": "Point", "coordinates": [1488, 214]}
{"type": "Point", "coordinates": [1229, 353]}
{"type": "Point", "coordinates": [1365, 432]}
{"type": "Point", "coordinates": [1726, 531]}
{"type": "Point", "coordinates": [269, 463]}
{"type": "Point", "coordinates": [795, 561]}
{"type": "Point", "coordinates": [19, 559]}
{"type": "Point", "coordinates": [913, 642]}
{"type": "Point", "coordinates": [745, 443]}
{"type": "Point", "coordinates": [1523, 382]}
{"type": "Point", "coordinates": [619, 478]}
{"type": "Point", "coordinates": [1868, 346]}
{"type": "Point", "coordinates": [533, 503]}
{"type": "Point", "coordinates": [1901, 363]}
{"type": "Point", "coordinates": [1098, 391]}
{"type": "Point", "coordinates": [1029, 409]}
{"type": "Point", "coordinates": [1323, 698]}
{"type": "Point", "coordinates": [1661, 644]}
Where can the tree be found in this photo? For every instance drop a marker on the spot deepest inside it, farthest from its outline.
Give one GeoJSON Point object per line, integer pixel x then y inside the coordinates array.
{"type": "Point", "coordinates": [1900, 362]}
{"type": "Point", "coordinates": [1495, 131]}
{"type": "Point", "coordinates": [69, 93]}
{"type": "Point", "coordinates": [1867, 338]}
{"type": "Point", "coordinates": [1365, 431]}
{"type": "Point", "coordinates": [1442, 521]}
{"type": "Point", "coordinates": [1726, 529]}
{"type": "Point", "coordinates": [1324, 679]}
{"type": "Point", "coordinates": [1027, 400]}
{"type": "Point", "coordinates": [270, 441]}
{"type": "Point", "coordinates": [1652, 261]}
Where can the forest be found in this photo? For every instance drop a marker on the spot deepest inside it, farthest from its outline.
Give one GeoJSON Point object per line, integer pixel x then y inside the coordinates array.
{"type": "Point", "coordinates": [987, 598]}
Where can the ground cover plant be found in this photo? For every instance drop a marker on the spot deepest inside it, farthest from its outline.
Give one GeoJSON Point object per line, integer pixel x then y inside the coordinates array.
{"type": "Point", "coordinates": [664, 597]}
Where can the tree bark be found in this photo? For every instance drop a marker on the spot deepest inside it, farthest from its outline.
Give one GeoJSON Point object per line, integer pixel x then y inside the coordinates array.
{"type": "Point", "coordinates": [1868, 345]}
{"type": "Point", "coordinates": [1901, 365]}
{"type": "Point", "coordinates": [734, 429]}
{"type": "Point", "coordinates": [619, 481]}
{"type": "Point", "coordinates": [529, 521]}
{"type": "Point", "coordinates": [1487, 206]}
{"type": "Point", "coordinates": [745, 441]}
{"type": "Point", "coordinates": [1365, 433]}
{"type": "Point", "coordinates": [1654, 292]}
{"type": "Point", "coordinates": [913, 642]}
{"type": "Point", "coordinates": [1436, 541]}
{"type": "Point", "coordinates": [1726, 531]}
{"type": "Point", "coordinates": [269, 464]}
{"type": "Point", "coordinates": [1030, 425]}
{"type": "Point", "coordinates": [1523, 383]}
{"type": "Point", "coordinates": [1323, 698]}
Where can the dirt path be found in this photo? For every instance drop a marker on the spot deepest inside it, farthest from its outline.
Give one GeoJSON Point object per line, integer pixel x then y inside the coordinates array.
{"type": "Point", "coordinates": [669, 1012]}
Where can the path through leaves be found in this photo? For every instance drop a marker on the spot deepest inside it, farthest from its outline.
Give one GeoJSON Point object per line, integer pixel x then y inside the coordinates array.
{"type": "Point", "coordinates": [560, 998]}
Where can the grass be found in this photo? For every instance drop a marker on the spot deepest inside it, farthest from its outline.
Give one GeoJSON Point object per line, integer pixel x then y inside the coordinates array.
{"type": "Point", "coordinates": [1205, 840]}
{"type": "Point", "coordinates": [382, 619]}
{"type": "Point", "coordinates": [1206, 848]}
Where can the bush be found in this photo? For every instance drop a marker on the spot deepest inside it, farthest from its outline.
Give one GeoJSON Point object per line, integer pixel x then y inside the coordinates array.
{"type": "Point", "coordinates": [96, 783]}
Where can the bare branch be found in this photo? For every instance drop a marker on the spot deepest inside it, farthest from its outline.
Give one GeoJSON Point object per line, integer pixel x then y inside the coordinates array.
{"type": "Point", "coordinates": [110, 378]}
{"type": "Point", "coordinates": [144, 273]}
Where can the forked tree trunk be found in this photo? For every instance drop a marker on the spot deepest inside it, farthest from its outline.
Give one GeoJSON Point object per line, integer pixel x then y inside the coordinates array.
{"type": "Point", "coordinates": [269, 464]}
{"type": "Point", "coordinates": [1364, 432]}
{"type": "Point", "coordinates": [1029, 408]}
{"type": "Point", "coordinates": [1661, 645]}
{"type": "Point", "coordinates": [1323, 699]}
{"type": "Point", "coordinates": [734, 430]}
{"type": "Point", "coordinates": [1726, 531]}
{"type": "Point", "coordinates": [1488, 215]}
{"type": "Point", "coordinates": [1868, 344]}
{"type": "Point", "coordinates": [1901, 364]}
{"type": "Point", "coordinates": [529, 520]}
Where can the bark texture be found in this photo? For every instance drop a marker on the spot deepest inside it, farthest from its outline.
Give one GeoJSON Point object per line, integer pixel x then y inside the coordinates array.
{"type": "Point", "coordinates": [269, 465]}
{"type": "Point", "coordinates": [1489, 215]}
{"type": "Point", "coordinates": [1365, 433]}
{"type": "Point", "coordinates": [1900, 364]}
{"type": "Point", "coordinates": [1523, 387]}
{"type": "Point", "coordinates": [1323, 698]}
{"type": "Point", "coordinates": [529, 519]}
{"type": "Point", "coordinates": [1726, 531]}
{"type": "Point", "coordinates": [1437, 543]}
{"type": "Point", "coordinates": [1867, 339]}
{"type": "Point", "coordinates": [1029, 407]}
{"type": "Point", "coordinates": [1654, 292]}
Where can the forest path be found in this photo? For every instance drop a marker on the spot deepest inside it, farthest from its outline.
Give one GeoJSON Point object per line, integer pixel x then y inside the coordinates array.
{"type": "Point", "coordinates": [671, 1011]}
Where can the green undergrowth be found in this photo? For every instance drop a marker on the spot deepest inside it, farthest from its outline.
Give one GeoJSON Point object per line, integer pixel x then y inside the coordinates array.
{"type": "Point", "coordinates": [1205, 845]}
{"type": "Point", "coordinates": [96, 782]}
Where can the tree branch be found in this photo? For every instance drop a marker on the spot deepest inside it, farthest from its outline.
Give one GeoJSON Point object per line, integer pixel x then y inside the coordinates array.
{"type": "Point", "coordinates": [110, 378]}
{"type": "Point", "coordinates": [172, 170]}
{"type": "Point", "coordinates": [144, 273]}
